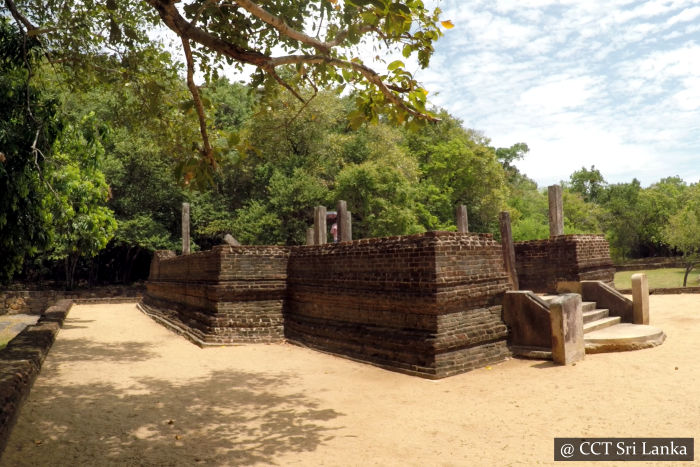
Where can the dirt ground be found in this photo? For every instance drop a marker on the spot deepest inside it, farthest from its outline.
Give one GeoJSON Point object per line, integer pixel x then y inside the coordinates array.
{"type": "Point", "coordinates": [119, 389]}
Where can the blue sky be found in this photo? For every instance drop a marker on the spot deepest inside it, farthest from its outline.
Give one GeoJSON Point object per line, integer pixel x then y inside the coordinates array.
{"type": "Point", "coordinates": [613, 83]}
{"type": "Point", "coordinates": [610, 83]}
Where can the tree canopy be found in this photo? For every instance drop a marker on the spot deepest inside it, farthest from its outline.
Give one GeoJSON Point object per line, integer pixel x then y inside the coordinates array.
{"type": "Point", "coordinates": [27, 132]}
{"type": "Point", "coordinates": [293, 43]}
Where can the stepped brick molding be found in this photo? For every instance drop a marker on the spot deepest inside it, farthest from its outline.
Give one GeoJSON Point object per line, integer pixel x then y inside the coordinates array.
{"type": "Point", "coordinates": [423, 304]}
{"type": "Point", "coordinates": [222, 296]}
{"type": "Point", "coordinates": [541, 264]}
{"type": "Point", "coordinates": [426, 304]}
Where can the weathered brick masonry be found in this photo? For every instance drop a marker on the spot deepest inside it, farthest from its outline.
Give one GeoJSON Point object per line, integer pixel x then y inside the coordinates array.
{"type": "Point", "coordinates": [542, 263]}
{"type": "Point", "coordinates": [224, 295]}
{"type": "Point", "coordinates": [36, 301]}
{"type": "Point", "coordinates": [425, 304]}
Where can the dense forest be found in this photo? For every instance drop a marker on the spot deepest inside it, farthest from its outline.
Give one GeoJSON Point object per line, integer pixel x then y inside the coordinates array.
{"type": "Point", "coordinates": [94, 166]}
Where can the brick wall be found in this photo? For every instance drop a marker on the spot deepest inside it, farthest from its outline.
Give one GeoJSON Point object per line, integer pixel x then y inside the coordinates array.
{"type": "Point", "coordinates": [221, 296]}
{"type": "Point", "coordinates": [425, 304]}
{"type": "Point", "coordinates": [34, 302]}
{"type": "Point", "coordinates": [542, 263]}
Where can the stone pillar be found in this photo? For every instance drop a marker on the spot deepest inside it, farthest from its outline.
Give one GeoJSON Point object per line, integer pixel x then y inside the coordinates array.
{"type": "Point", "coordinates": [556, 211]}
{"type": "Point", "coordinates": [344, 221]}
{"type": "Point", "coordinates": [310, 236]}
{"type": "Point", "coordinates": [185, 228]}
{"type": "Point", "coordinates": [508, 248]}
{"type": "Point", "coordinates": [566, 315]}
{"type": "Point", "coordinates": [320, 229]}
{"type": "Point", "coordinates": [462, 219]}
{"type": "Point", "coordinates": [231, 241]}
{"type": "Point", "coordinates": [640, 299]}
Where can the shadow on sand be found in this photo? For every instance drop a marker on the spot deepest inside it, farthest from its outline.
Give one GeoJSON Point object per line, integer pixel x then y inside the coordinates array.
{"type": "Point", "coordinates": [228, 418]}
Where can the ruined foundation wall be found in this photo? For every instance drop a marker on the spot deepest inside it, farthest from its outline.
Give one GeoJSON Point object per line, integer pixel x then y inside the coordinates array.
{"type": "Point", "coordinates": [542, 263]}
{"type": "Point", "coordinates": [222, 296]}
{"type": "Point", "coordinates": [424, 304]}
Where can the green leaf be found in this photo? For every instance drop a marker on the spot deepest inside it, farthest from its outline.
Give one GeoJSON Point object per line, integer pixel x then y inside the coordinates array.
{"type": "Point", "coordinates": [395, 64]}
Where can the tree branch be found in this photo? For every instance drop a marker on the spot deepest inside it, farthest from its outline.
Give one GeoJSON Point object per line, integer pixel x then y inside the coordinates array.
{"type": "Point", "coordinates": [185, 29]}
{"type": "Point", "coordinates": [369, 74]}
{"type": "Point", "coordinates": [279, 24]}
{"type": "Point", "coordinates": [19, 17]}
{"type": "Point", "coordinates": [206, 151]}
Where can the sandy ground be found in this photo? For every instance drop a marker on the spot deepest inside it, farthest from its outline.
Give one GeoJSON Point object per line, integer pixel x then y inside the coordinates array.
{"type": "Point", "coordinates": [119, 389]}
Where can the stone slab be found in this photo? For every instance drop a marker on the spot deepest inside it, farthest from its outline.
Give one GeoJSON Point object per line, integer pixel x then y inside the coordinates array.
{"type": "Point", "coordinates": [623, 337]}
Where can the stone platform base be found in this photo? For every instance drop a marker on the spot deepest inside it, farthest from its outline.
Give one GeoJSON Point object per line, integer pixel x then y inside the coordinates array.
{"type": "Point", "coordinates": [623, 337]}
{"type": "Point", "coordinates": [170, 319]}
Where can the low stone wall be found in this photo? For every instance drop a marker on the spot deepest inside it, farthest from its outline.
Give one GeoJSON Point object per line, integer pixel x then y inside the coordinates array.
{"type": "Point", "coordinates": [20, 362]}
{"type": "Point", "coordinates": [541, 264]}
{"type": "Point", "coordinates": [665, 290]}
{"type": "Point", "coordinates": [642, 264]}
{"type": "Point", "coordinates": [34, 302]}
{"type": "Point", "coordinates": [225, 295]}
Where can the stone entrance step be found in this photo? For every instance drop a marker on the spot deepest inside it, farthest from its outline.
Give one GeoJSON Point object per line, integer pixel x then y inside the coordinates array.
{"type": "Point", "coordinates": [605, 333]}
{"type": "Point", "coordinates": [595, 314]}
{"type": "Point", "coordinates": [622, 337]}
{"type": "Point", "coordinates": [600, 323]}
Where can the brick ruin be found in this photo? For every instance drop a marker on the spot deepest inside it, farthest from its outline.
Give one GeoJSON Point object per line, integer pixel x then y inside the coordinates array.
{"type": "Point", "coordinates": [221, 296]}
{"type": "Point", "coordinates": [541, 264]}
{"type": "Point", "coordinates": [426, 304]}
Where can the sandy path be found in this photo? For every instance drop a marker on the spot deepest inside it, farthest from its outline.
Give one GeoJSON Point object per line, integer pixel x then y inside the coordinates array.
{"type": "Point", "coordinates": [119, 389]}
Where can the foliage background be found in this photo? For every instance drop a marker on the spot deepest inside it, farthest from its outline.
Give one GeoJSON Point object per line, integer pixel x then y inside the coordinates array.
{"type": "Point", "coordinates": [97, 156]}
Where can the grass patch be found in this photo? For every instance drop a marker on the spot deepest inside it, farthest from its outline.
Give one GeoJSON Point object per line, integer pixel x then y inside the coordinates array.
{"type": "Point", "coordinates": [659, 278]}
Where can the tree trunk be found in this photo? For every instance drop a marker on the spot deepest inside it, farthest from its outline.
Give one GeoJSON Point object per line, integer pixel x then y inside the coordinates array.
{"type": "Point", "coordinates": [71, 265]}
{"type": "Point", "coordinates": [129, 264]}
{"type": "Point", "coordinates": [688, 268]}
{"type": "Point", "coordinates": [94, 270]}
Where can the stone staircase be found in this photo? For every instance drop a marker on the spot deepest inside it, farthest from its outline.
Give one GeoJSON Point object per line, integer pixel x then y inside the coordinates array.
{"type": "Point", "coordinates": [605, 333]}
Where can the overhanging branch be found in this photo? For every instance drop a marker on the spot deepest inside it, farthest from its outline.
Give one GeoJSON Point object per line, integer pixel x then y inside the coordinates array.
{"type": "Point", "coordinates": [185, 29]}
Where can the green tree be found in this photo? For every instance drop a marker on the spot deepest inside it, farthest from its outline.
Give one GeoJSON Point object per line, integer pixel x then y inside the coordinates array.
{"type": "Point", "coordinates": [623, 219]}
{"type": "Point", "coordinates": [382, 197]}
{"type": "Point", "coordinates": [507, 157]}
{"type": "Point", "coordinates": [319, 44]}
{"type": "Point", "coordinates": [590, 184]}
{"type": "Point", "coordinates": [683, 234]}
{"type": "Point", "coordinates": [27, 130]}
{"type": "Point", "coordinates": [457, 166]}
{"type": "Point", "coordinates": [82, 223]}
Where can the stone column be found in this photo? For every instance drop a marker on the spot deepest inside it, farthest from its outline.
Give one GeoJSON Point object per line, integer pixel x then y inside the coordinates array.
{"type": "Point", "coordinates": [508, 248]}
{"type": "Point", "coordinates": [566, 315]}
{"type": "Point", "coordinates": [462, 219]}
{"type": "Point", "coordinates": [556, 211]}
{"type": "Point", "coordinates": [185, 228]}
{"type": "Point", "coordinates": [640, 299]}
{"type": "Point", "coordinates": [320, 229]}
{"type": "Point", "coordinates": [344, 222]}
{"type": "Point", "coordinates": [310, 236]}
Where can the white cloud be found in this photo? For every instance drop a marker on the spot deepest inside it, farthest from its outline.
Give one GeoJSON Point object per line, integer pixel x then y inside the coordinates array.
{"type": "Point", "coordinates": [558, 94]}
{"type": "Point", "coordinates": [614, 83]}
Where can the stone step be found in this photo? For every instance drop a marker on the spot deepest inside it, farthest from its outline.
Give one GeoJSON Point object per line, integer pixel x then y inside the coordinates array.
{"type": "Point", "coordinates": [622, 337]}
{"type": "Point", "coordinates": [601, 324]}
{"type": "Point", "coordinates": [595, 314]}
{"type": "Point", "coordinates": [586, 306]}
